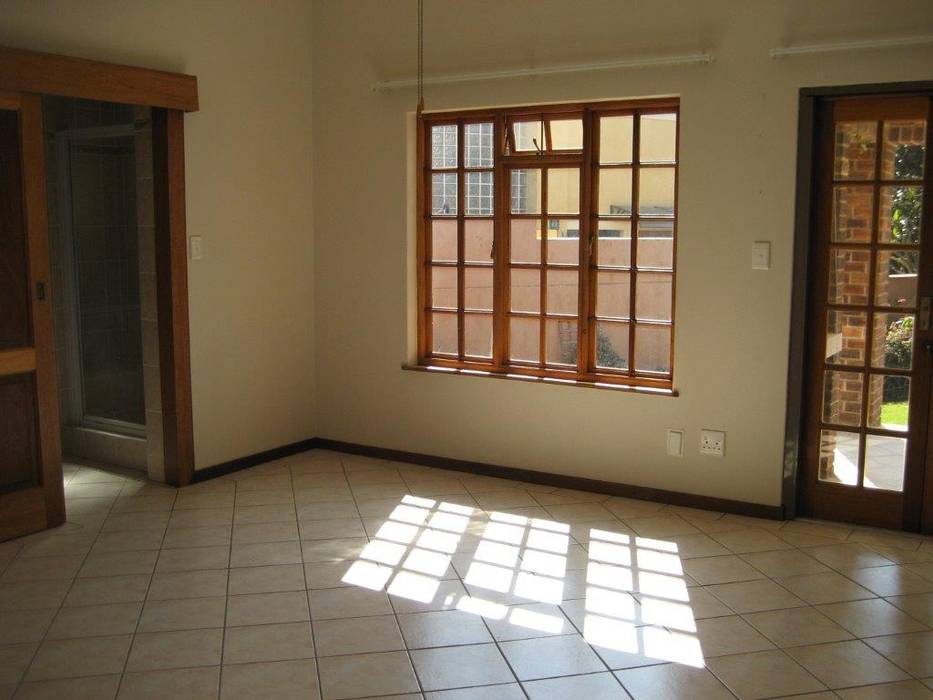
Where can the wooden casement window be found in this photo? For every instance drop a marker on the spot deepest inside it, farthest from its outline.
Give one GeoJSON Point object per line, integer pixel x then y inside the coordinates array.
{"type": "Point", "coordinates": [547, 241]}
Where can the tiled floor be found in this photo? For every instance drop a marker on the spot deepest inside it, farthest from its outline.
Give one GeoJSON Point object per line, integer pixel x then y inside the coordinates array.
{"type": "Point", "coordinates": [326, 575]}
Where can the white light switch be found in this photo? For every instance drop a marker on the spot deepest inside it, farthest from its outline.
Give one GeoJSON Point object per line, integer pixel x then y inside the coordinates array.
{"type": "Point", "coordinates": [675, 443]}
{"type": "Point", "coordinates": [761, 255]}
{"type": "Point", "coordinates": [197, 248]}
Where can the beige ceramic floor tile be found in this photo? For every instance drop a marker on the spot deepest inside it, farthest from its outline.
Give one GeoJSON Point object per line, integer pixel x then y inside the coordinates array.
{"type": "Point", "coordinates": [507, 691]}
{"type": "Point", "coordinates": [182, 614]}
{"type": "Point", "coordinates": [755, 596]}
{"type": "Point", "coordinates": [443, 628]}
{"type": "Point", "coordinates": [829, 587]}
{"type": "Point", "coordinates": [161, 650]}
{"type": "Point", "coordinates": [725, 569]}
{"type": "Point", "coordinates": [891, 581]}
{"type": "Point", "coordinates": [71, 658]}
{"type": "Point", "coordinates": [279, 642]}
{"type": "Point", "coordinates": [720, 636]}
{"type": "Point", "coordinates": [95, 620]}
{"type": "Point", "coordinates": [797, 627]}
{"type": "Point", "coordinates": [846, 664]}
{"type": "Point", "coordinates": [788, 562]}
{"type": "Point", "coordinates": [564, 655]}
{"type": "Point", "coordinates": [188, 584]}
{"type": "Point", "coordinates": [457, 667]}
{"type": "Point", "coordinates": [871, 618]}
{"type": "Point", "coordinates": [764, 674]}
{"type": "Point", "coordinates": [332, 603]}
{"type": "Point", "coordinates": [292, 680]}
{"type": "Point", "coordinates": [91, 688]}
{"type": "Point", "coordinates": [672, 682]}
{"type": "Point", "coordinates": [267, 608]}
{"type": "Point", "coordinates": [594, 686]}
{"type": "Point", "coordinates": [177, 684]}
{"type": "Point", "coordinates": [357, 635]}
{"type": "Point", "coordinates": [365, 675]}
{"type": "Point", "coordinates": [905, 690]}
{"type": "Point", "coordinates": [109, 589]}
{"type": "Point", "coordinates": [912, 652]}
{"type": "Point", "coordinates": [919, 607]}
{"type": "Point", "coordinates": [22, 626]}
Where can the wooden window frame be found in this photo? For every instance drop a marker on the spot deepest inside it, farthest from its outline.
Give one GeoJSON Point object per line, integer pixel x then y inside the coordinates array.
{"type": "Point", "coordinates": [506, 158]}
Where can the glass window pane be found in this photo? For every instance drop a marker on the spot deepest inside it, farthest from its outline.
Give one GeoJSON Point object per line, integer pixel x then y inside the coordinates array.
{"type": "Point", "coordinates": [846, 335]}
{"type": "Point", "coordinates": [477, 240]}
{"type": "Point", "coordinates": [444, 333]}
{"type": "Point", "coordinates": [654, 296]}
{"type": "Point", "coordinates": [529, 136]}
{"type": "Point", "coordinates": [612, 345]}
{"type": "Point", "coordinates": [658, 138]}
{"type": "Point", "coordinates": [896, 278]}
{"type": "Point", "coordinates": [903, 145]}
{"type": "Point", "coordinates": [561, 341]}
{"type": "Point", "coordinates": [615, 191]}
{"type": "Point", "coordinates": [563, 241]}
{"type": "Point", "coordinates": [444, 240]}
{"type": "Point", "coordinates": [614, 243]}
{"type": "Point", "coordinates": [855, 150]}
{"type": "Point", "coordinates": [884, 462]}
{"type": "Point", "coordinates": [893, 344]}
{"type": "Point", "coordinates": [444, 146]}
{"type": "Point", "coordinates": [526, 191]}
{"type": "Point", "coordinates": [563, 190]}
{"type": "Point", "coordinates": [477, 335]}
{"type": "Point", "coordinates": [852, 213]}
{"type": "Point", "coordinates": [566, 134]}
{"type": "Point", "coordinates": [525, 290]}
{"type": "Point", "coordinates": [613, 290]}
{"type": "Point", "coordinates": [444, 287]}
{"type": "Point", "coordinates": [653, 348]}
{"type": "Point", "coordinates": [842, 397]}
{"type": "Point", "coordinates": [478, 145]}
{"type": "Point", "coordinates": [849, 275]}
{"type": "Point", "coordinates": [443, 194]}
{"type": "Point", "coordinates": [888, 402]}
{"type": "Point", "coordinates": [615, 139]}
{"type": "Point", "coordinates": [656, 191]}
{"type": "Point", "coordinates": [839, 457]}
{"type": "Point", "coordinates": [562, 286]}
{"type": "Point", "coordinates": [478, 194]}
{"type": "Point", "coordinates": [477, 288]}
{"type": "Point", "coordinates": [900, 215]}
{"type": "Point", "coordinates": [525, 241]}
{"type": "Point", "coordinates": [656, 244]}
{"type": "Point", "coordinates": [524, 339]}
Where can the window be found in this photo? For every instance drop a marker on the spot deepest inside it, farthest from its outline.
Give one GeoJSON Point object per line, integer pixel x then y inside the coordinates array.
{"type": "Point", "coordinates": [547, 244]}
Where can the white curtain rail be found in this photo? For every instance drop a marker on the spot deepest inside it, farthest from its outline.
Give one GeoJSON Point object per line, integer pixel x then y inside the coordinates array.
{"type": "Point", "coordinates": [895, 42]}
{"type": "Point", "coordinates": [645, 62]}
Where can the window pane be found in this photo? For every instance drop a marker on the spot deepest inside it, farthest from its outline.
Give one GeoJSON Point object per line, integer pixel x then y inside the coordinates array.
{"type": "Point", "coordinates": [478, 143]}
{"type": "Point", "coordinates": [615, 191]}
{"type": "Point", "coordinates": [900, 214]}
{"type": "Point", "coordinates": [477, 241]}
{"type": "Point", "coordinates": [656, 191]}
{"type": "Point", "coordinates": [656, 244]}
{"type": "Point", "coordinates": [524, 339]}
{"type": "Point", "coordinates": [612, 345]}
{"type": "Point", "coordinates": [839, 457]}
{"type": "Point", "coordinates": [658, 141]}
{"type": "Point", "coordinates": [612, 294]}
{"type": "Point", "coordinates": [563, 241]}
{"type": "Point", "coordinates": [888, 402]}
{"type": "Point", "coordinates": [849, 275]}
{"type": "Point", "coordinates": [525, 241]}
{"type": "Point", "coordinates": [846, 337]}
{"type": "Point", "coordinates": [563, 190]}
{"type": "Point", "coordinates": [653, 348]}
{"type": "Point", "coordinates": [852, 212]}
{"type": "Point", "coordinates": [443, 194]}
{"type": "Point", "coordinates": [444, 241]}
{"type": "Point", "coordinates": [444, 333]}
{"type": "Point", "coordinates": [444, 146]}
{"type": "Point", "coordinates": [478, 194]}
{"type": "Point", "coordinates": [477, 335]}
{"type": "Point", "coordinates": [529, 136]}
{"type": "Point", "coordinates": [893, 345]}
{"type": "Point", "coordinates": [653, 295]}
{"type": "Point", "coordinates": [855, 151]}
{"type": "Point", "coordinates": [896, 278]}
{"type": "Point", "coordinates": [567, 134]}
{"type": "Point", "coordinates": [561, 341]}
{"type": "Point", "coordinates": [614, 244]}
{"type": "Point", "coordinates": [842, 398]}
{"type": "Point", "coordinates": [904, 144]}
{"type": "Point", "coordinates": [477, 292]}
{"type": "Point", "coordinates": [884, 462]}
{"type": "Point", "coordinates": [615, 139]}
{"type": "Point", "coordinates": [526, 191]}
{"type": "Point", "coordinates": [562, 288]}
{"type": "Point", "coordinates": [444, 287]}
{"type": "Point", "coordinates": [525, 290]}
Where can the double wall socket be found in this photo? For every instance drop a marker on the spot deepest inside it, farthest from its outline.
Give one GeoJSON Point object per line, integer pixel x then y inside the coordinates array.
{"type": "Point", "coordinates": [712, 443]}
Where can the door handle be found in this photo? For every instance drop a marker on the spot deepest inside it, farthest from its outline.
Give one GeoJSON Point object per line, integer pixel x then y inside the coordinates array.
{"type": "Point", "coordinates": [923, 319]}
{"type": "Point", "coordinates": [40, 291]}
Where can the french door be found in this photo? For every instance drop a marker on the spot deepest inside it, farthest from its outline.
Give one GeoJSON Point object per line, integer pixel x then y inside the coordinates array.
{"type": "Point", "coordinates": [869, 339]}
{"type": "Point", "coordinates": [31, 492]}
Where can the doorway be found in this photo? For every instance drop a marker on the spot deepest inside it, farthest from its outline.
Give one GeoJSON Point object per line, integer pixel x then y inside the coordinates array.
{"type": "Point", "coordinates": [866, 400]}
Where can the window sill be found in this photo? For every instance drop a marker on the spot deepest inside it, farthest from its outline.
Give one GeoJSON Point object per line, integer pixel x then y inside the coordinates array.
{"type": "Point", "coordinates": [435, 369]}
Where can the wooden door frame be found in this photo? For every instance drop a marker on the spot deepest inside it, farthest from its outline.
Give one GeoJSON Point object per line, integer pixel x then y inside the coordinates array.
{"type": "Point", "coordinates": [804, 228]}
{"type": "Point", "coordinates": [169, 95]}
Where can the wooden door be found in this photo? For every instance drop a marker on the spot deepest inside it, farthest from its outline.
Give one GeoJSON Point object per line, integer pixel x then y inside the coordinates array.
{"type": "Point", "coordinates": [868, 336]}
{"type": "Point", "coordinates": [31, 491]}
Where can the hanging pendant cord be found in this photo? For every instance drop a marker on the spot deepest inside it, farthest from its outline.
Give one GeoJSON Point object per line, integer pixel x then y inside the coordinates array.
{"type": "Point", "coordinates": [420, 57]}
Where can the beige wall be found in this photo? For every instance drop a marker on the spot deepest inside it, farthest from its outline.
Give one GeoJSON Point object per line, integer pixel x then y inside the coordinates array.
{"type": "Point", "coordinates": [248, 192]}
{"type": "Point", "coordinates": [738, 148]}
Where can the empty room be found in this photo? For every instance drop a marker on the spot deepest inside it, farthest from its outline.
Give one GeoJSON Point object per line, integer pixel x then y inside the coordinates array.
{"type": "Point", "coordinates": [466, 349]}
